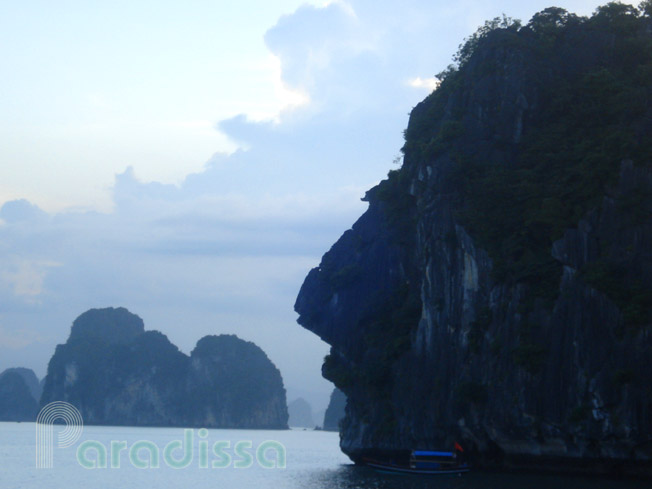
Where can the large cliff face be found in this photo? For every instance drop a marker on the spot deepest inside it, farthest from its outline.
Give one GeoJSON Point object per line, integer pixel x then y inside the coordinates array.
{"type": "Point", "coordinates": [498, 289]}
{"type": "Point", "coordinates": [116, 373]}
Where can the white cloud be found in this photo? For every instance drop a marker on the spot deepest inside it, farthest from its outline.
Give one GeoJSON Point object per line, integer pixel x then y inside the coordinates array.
{"type": "Point", "coordinates": [226, 247]}
{"type": "Point", "coordinates": [429, 84]}
{"type": "Point", "coordinates": [286, 98]}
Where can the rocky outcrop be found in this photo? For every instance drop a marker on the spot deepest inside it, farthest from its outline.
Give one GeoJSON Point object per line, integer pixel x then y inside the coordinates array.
{"type": "Point", "coordinates": [16, 400]}
{"type": "Point", "coordinates": [335, 411]}
{"type": "Point", "coordinates": [300, 413]}
{"type": "Point", "coordinates": [120, 374]}
{"type": "Point", "coordinates": [497, 291]}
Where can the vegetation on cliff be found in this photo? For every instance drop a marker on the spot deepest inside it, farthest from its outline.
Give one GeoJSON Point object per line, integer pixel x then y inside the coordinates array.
{"type": "Point", "coordinates": [539, 179]}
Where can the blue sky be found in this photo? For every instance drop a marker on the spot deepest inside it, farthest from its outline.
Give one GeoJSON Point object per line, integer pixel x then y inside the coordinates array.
{"type": "Point", "coordinates": [193, 160]}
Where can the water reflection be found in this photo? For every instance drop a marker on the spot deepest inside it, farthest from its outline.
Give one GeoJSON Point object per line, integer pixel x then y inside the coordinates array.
{"type": "Point", "coordinates": [352, 477]}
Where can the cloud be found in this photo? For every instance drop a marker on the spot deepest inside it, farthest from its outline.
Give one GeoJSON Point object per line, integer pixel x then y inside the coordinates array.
{"type": "Point", "coordinates": [25, 277]}
{"type": "Point", "coordinates": [308, 42]}
{"type": "Point", "coordinates": [21, 211]}
{"type": "Point", "coordinates": [227, 249]}
{"type": "Point", "coordinates": [429, 83]}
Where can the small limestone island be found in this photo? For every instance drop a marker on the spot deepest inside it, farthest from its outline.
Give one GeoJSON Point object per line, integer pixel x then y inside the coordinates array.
{"type": "Point", "coordinates": [20, 391]}
{"type": "Point", "coordinates": [335, 411]}
{"type": "Point", "coordinates": [497, 293]}
{"type": "Point", "coordinates": [300, 412]}
{"type": "Point", "coordinates": [116, 373]}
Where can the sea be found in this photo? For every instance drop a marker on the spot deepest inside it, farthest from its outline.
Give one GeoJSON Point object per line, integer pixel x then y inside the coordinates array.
{"type": "Point", "coordinates": [165, 458]}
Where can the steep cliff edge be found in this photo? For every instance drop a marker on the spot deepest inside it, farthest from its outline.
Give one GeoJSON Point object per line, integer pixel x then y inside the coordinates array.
{"type": "Point", "coordinates": [116, 373]}
{"type": "Point", "coordinates": [498, 290]}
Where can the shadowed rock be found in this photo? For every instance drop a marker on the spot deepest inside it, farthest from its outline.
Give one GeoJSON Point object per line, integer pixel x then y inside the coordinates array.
{"type": "Point", "coordinates": [498, 290]}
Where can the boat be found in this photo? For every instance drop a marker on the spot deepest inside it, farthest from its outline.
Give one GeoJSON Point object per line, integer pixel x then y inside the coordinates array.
{"type": "Point", "coordinates": [423, 462]}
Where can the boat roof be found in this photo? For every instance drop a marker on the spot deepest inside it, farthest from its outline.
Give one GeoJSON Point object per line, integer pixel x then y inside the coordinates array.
{"type": "Point", "coordinates": [426, 453]}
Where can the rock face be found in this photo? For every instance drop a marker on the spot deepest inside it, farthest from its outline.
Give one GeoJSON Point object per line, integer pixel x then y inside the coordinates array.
{"type": "Point", "coordinates": [16, 400]}
{"type": "Point", "coordinates": [497, 291]}
{"type": "Point", "coordinates": [120, 374]}
{"type": "Point", "coordinates": [335, 411]}
{"type": "Point", "coordinates": [300, 413]}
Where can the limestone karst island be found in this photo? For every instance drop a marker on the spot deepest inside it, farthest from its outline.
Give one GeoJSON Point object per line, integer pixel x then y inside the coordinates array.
{"type": "Point", "coordinates": [497, 293]}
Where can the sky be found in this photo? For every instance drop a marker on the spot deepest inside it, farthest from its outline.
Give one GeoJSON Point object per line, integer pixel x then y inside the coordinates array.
{"type": "Point", "coordinates": [192, 161]}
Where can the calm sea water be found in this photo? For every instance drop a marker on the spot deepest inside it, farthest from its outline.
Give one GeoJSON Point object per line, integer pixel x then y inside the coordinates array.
{"type": "Point", "coordinates": [313, 461]}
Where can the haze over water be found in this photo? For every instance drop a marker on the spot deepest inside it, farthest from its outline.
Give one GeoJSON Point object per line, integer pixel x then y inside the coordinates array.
{"type": "Point", "coordinates": [314, 461]}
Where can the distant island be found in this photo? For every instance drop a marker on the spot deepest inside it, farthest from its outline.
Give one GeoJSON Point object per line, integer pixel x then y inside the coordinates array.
{"type": "Point", "coordinates": [497, 293]}
{"type": "Point", "coordinates": [300, 412]}
{"type": "Point", "coordinates": [335, 412]}
{"type": "Point", "coordinates": [116, 373]}
{"type": "Point", "coordinates": [20, 391]}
